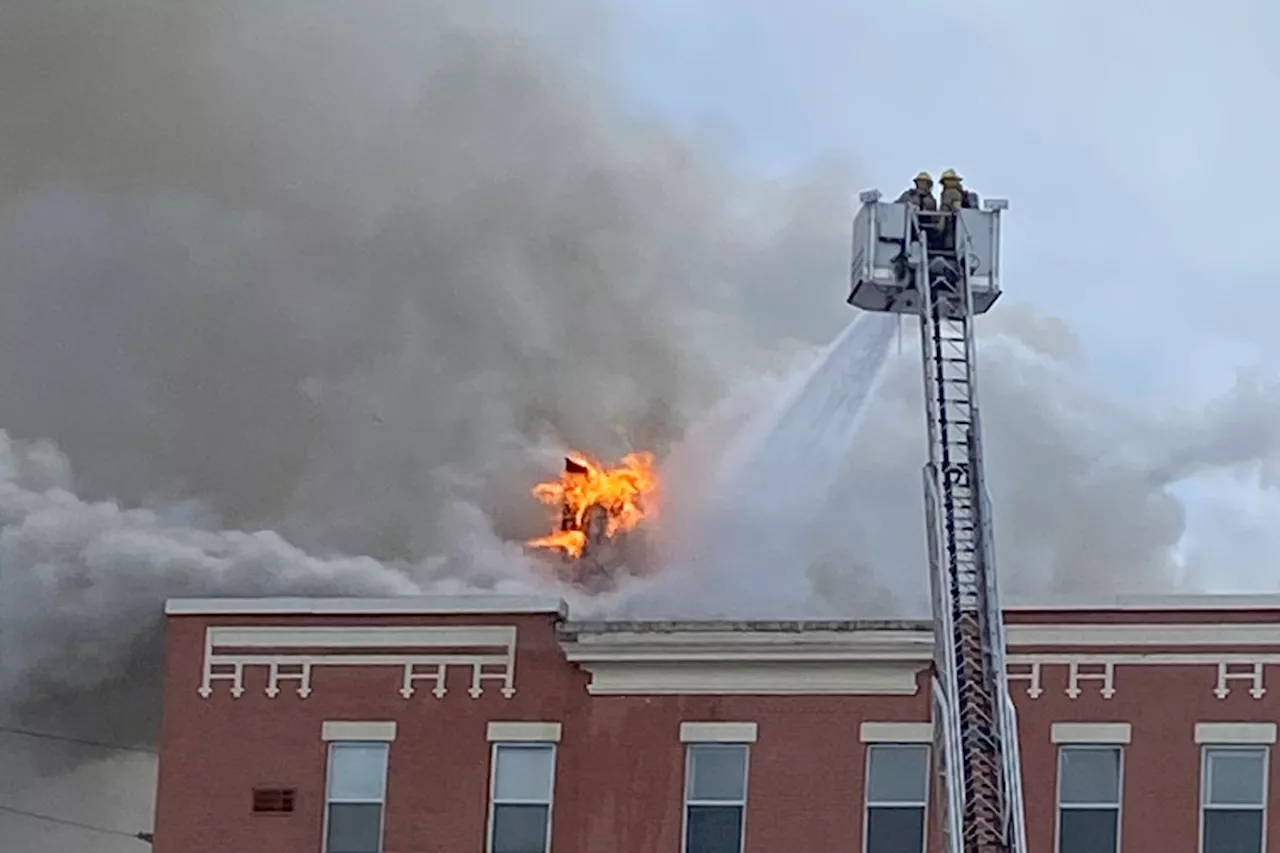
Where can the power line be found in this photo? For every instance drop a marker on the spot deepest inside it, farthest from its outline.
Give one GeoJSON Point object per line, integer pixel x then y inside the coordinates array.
{"type": "Point", "coordinates": [76, 740]}
{"type": "Point", "coordinates": [87, 827]}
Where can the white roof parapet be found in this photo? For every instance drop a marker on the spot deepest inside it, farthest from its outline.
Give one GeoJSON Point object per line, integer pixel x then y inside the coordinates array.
{"type": "Point", "coordinates": [437, 605]}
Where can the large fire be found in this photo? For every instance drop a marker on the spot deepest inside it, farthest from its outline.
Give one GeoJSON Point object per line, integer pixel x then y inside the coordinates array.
{"type": "Point", "coordinates": [595, 501]}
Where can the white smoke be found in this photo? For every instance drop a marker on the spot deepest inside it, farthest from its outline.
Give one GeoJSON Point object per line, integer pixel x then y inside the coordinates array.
{"type": "Point", "coordinates": [1085, 487]}
{"type": "Point", "coordinates": [768, 513]}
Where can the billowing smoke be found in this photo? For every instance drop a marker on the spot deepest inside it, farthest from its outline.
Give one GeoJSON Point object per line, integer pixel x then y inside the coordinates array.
{"type": "Point", "coordinates": [1084, 486]}
{"type": "Point", "coordinates": [342, 280]}
{"type": "Point", "coordinates": [301, 297]}
{"type": "Point", "coordinates": [353, 276]}
{"type": "Point", "coordinates": [1085, 489]}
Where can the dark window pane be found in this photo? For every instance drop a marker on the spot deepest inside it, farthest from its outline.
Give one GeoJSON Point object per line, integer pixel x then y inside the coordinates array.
{"type": "Point", "coordinates": [895, 830]}
{"type": "Point", "coordinates": [1235, 776]}
{"type": "Point", "coordinates": [355, 828]}
{"type": "Point", "coordinates": [519, 829]}
{"type": "Point", "coordinates": [714, 829]}
{"type": "Point", "coordinates": [1089, 775]}
{"type": "Point", "coordinates": [718, 771]}
{"type": "Point", "coordinates": [1232, 831]}
{"type": "Point", "coordinates": [1087, 830]}
{"type": "Point", "coordinates": [898, 774]}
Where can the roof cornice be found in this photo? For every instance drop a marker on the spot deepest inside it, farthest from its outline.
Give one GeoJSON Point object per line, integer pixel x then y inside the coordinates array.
{"type": "Point", "coordinates": [744, 643]}
{"type": "Point", "coordinates": [749, 658]}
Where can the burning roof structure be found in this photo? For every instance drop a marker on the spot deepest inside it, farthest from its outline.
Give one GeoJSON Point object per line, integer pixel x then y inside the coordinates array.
{"type": "Point", "coordinates": [600, 511]}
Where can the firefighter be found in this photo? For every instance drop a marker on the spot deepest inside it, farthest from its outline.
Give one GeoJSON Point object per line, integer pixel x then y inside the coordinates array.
{"type": "Point", "coordinates": [953, 195]}
{"type": "Point", "coordinates": [920, 195]}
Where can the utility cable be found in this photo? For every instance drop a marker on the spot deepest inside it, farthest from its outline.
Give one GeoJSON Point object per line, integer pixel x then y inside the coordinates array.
{"type": "Point", "coordinates": [87, 827]}
{"type": "Point", "coordinates": [9, 730]}
{"type": "Point", "coordinates": [144, 837]}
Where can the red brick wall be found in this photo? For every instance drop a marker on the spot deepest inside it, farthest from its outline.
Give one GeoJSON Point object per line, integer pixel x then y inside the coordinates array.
{"type": "Point", "coordinates": [619, 777]}
{"type": "Point", "coordinates": [1160, 810]}
{"type": "Point", "coordinates": [622, 769]}
{"type": "Point", "coordinates": [215, 751]}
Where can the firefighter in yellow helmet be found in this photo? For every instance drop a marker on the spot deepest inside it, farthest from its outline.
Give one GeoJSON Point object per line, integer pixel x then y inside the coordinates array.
{"type": "Point", "coordinates": [920, 195]}
{"type": "Point", "coordinates": [953, 195]}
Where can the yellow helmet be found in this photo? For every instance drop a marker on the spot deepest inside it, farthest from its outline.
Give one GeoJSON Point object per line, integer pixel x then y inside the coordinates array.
{"type": "Point", "coordinates": [950, 175]}
{"type": "Point", "coordinates": [924, 176]}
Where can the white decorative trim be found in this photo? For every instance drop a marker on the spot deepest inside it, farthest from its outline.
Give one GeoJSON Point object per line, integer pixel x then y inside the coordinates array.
{"type": "Point", "coordinates": [1102, 733]}
{"type": "Point", "coordinates": [1032, 676]}
{"type": "Point", "coordinates": [1254, 676]}
{"type": "Point", "coordinates": [722, 660]}
{"type": "Point", "coordinates": [1235, 733]}
{"type": "Point", "coordinates": [1103, 633]}
{"type": "Point", "coordinates": [1106, 678]}
{"type": "Point", "coordinates": [409, 605]}
{"type": "Point", "coordinates": [870, 732]}
{"type": "Point", "coordinates": [292, 653]}
{"type": "Point", "coordinates": [718, 732]}
{"type": "Point", "coordinates": [887, 658]}
{"type": "Point", "coordinates": [351, 730]}
{"type": "Point", "coordinates": [763, 679]}
{"type": "Point", "coordinates": [1106, 675]}
{"type": "Point", "coordinates": [515, 732]}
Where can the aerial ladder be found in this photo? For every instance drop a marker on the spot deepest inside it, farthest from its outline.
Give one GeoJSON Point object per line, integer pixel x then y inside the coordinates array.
{"type": "Point", "coordinates": [944, 269]}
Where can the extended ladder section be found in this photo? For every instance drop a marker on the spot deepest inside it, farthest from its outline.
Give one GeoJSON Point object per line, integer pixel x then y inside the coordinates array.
{"type": "Point", "coordinates": [977, 751]}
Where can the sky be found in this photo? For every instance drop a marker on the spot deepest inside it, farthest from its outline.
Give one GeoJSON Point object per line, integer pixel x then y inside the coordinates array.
{"type": "Point", "coordinates": [1133, 147]}
{"type": "Point", "coordinates": [1112, 142]}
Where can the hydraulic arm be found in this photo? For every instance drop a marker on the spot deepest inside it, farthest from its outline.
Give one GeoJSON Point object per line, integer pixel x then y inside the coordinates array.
{"type": "Point", "coordinates": [944, 269]}
{"type": "Point", "coordinates": [977, 750]}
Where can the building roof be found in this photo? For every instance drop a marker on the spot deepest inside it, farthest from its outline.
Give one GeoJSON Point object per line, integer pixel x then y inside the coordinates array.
{"type": "Point", "coordinates": [498, 603]}
{"type": "Point", "coordinates": [406, 605]}
{"type": "Point", "coordinates": [1172, 602]}
{"type": "Point", "coordinates": [719, 626]}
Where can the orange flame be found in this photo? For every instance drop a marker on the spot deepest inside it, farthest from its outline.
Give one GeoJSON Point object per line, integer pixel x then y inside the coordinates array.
{"type": "Point", "coordinates": [585, 483]}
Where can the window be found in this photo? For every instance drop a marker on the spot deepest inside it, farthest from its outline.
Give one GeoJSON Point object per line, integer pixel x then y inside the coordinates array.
{"type": "Point", "coordinates": [1089, 799]}
{"type": "Point", "coordinates": [1233, 799]}
{"type": "Point", "coordinates": [520, 814]}
{"type": "Point", "coordinates": [715, 797]}
{"type": "Point", "coordinates": [897, 797]}
{"type": "Point", "coordinates": [357, 790]}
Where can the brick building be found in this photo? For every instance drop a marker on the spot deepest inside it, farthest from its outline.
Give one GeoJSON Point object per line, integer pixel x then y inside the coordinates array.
{"type": "Point", "coordinates": [495, 724]}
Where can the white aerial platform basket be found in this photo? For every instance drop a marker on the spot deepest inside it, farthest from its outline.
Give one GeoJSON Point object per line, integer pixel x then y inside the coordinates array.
{"type": "Point", "coordinates": [887, 252]}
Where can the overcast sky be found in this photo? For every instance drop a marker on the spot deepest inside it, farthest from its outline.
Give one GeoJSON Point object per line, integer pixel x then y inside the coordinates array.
{"type": "Point", "coordinates": [1133, 143]}
{"type": "Point", "coordinates": [1126, 141]}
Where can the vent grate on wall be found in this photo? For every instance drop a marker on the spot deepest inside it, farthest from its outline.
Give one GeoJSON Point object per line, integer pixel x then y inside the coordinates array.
{"type": "Point", "coordinates": [273, 800]}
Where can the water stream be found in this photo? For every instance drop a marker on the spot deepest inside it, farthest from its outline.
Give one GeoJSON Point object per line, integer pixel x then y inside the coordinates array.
{"type": "Point", "coordinates": [771, 512]}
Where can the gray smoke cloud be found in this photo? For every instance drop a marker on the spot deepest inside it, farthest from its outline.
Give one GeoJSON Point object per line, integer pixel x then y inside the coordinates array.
{"type": "Point", "coordinates": [290, 282]}
{"type": "Point", "coordinates": [301, 298]}
{"type": "Point", "coordinates": [294, 283]}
